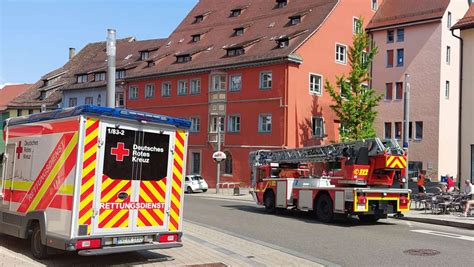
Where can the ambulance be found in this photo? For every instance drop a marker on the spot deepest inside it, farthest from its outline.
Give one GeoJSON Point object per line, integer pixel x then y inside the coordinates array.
{"type": "Point", "coordinates": [94, 180]}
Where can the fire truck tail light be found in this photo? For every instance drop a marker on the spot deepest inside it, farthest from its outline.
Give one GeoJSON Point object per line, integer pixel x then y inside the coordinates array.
{"type": "Point", "coordinates": [403, 200]}
{"type": "Point", "coordinates": [168, 238]}
{"type": "Point", "coordinates": [88, 243]}
{"type": "Point", "coordinates": [361, 200]}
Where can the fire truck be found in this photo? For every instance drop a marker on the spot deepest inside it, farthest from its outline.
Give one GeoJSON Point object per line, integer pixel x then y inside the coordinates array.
{"type": "Point", "coordinates": [351, 178]}
{"type": "Point", "coordinates": [94, 180]}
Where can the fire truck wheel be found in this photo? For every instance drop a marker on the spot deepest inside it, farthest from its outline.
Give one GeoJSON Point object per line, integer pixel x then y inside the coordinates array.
{"type": "Point", "coordinates": [324, 208]}
{"type": "Point", "coordinates": [269, 202]}
{"type": "Point", "coordinates": [38, 250]}
{"type": "Point", "coordinates": [368, 218]}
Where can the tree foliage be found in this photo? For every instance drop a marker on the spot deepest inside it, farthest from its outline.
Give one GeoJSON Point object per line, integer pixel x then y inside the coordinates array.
{"type": "Point", "coordinates": [354, 102]}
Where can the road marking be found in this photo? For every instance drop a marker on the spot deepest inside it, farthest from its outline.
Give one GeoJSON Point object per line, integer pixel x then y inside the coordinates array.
{"type": "Point", "coordinates": [443, 234]}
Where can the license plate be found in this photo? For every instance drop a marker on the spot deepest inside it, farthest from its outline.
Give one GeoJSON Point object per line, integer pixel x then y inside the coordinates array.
{"type": "Point", "coordinates": [128, 240]}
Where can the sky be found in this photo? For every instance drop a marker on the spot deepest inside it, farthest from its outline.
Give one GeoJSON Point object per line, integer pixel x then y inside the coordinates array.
{"type": "Point", "coordinates": [36, 35]}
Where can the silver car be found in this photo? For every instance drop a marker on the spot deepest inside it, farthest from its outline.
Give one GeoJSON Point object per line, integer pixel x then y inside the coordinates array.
{"type": "Point", "coordinates": [195, 183]}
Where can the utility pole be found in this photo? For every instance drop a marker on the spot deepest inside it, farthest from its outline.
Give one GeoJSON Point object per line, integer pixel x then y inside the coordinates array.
{"type": "Point", "coordinates": [111, 53]}
{"type": "Point", "coordinates": [406, 123]}
{"type": "Point", "coordinates": [218, 180]}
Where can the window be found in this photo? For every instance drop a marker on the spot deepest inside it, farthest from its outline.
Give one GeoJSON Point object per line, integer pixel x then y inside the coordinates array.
{"type": "Point", "coordinates": [195, 124]}
{"type": "Point", "coordinates": [449, 20]}
{"type": "Point", "coordinates": [30, 111]}
{"type": "Point", "coordinates": [315, 84]}
{"type": "Point", "coordinates": [265, 123]}
{"type": "Point", "coordinates": [238, 31]}
{"type": "Point", "coordinates": [195, 86]}
{"type": "Point", "coordinates": [399, 93]}
{"type": "Point", "coordinates": [120, 74]}
{"type": "Point", "coordinates": [89, 100]}
{"type": "Point", "coordinates": [282, 3]}
{"type": "Point", "coordinates": [218, 83]}
{"type": "Point", "coordinates": [183, 58]}
{"type": "Point", "coordinates": [356, 25]}
{"type": "Point", "coordinates": [235, 12]}
{"type": "Point", "coordinates": [233, 124]}
{"type": "Point", "coordinates": [166, 89]}
{"type": "Point", "coordinates": [389, 58]}
{"type": "Point", "coordinates": [388, 130]}
{"type": "Point", "coordinates": [217, 122]}
{"type": "Point", "coordinates": [418, 130]}
{"type": "Point", "coordinates": [235, 52]}
{"type": "Point", "coordinates": [374, 5]}
{"type": "Point", "coordinates": [72, 102]}
{"type": "Point", "coordinates": [149, 91]}
{"type": "Point", "coordinates": [448, 55]}
{"type": "Point", "coordinates": [99, 99]}
{"type": "Point", "coordinates": [144, 55]}
{"type": "Point", "coordinates": [228, 163]}
{"type": "Point", "coordinates": [284, 42]}
{"type": "Point", "coordinates": [196, 37]}
{"type": "Point", "coordinates": [18, 111]}
{"type": "Point", "coordinates": [266, 80]}
{"type": "Point", "coordinates": [82, 78]}
{"type": "Point", "coordinates": [388, 91]}
{"type": "Point", "coordinates": [398, 130]}
{"type": "Point", "coordinates": [446, 90]}
{"type": "Point", "coordinates": [341, 51]}
{"type": "Point", "coordinates": [318, 127]}
{"type": "Point", "coordinates": [400, 57]}
{"type": "Point", "coordinates": [235, 83]}
{"type": "Point", "coordinates": [99, 76]}
{"type": "Point", "coordinates": [133, 92]}
{"type": "Point", "coordinates": [182, 87]}
{"type": "Point", "coordinates": [400, 35]}
{"type": "Point", "coordinates": [390, 36]}
{"type": "Point", "coordinates": [119, 100]}
{"type": "Point", "coordinates": [198, 19]}
{"type": "Point", "coordinates": [196, 161]}
{"type": "Point", "coordinates": [295, 20]}
{"type": "Point", "coordinates": [410, 130]}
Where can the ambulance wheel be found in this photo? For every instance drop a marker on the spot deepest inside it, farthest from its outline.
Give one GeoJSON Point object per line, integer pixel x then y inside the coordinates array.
{"type": "Point", "coordinates": [368, 218]}
{"type": "Point", "coordinates": [324, 208]}
{"type": "Point", "coordinates": [269, 202]}
{"type": "Point", "coordinates": [38, 250]}
{"type": "Point", "coordinates": [189, 190]}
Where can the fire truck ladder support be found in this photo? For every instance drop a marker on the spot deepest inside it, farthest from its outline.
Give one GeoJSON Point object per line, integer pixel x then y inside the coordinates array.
{"type": "Point", "coordinates": [323, 153]}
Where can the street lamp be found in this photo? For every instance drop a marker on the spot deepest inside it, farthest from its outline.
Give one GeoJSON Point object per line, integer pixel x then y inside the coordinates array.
{"type": "Point", "coordinates": [406, 124]}
{"type": "Point", "coordinates": [111, 53]}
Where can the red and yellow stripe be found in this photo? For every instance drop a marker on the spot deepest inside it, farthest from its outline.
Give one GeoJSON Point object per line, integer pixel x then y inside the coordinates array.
{"type": "Point", "coordinates": [396, 162]}
{"type": "Point", "coordinates": [88, 172]}
{"type": "Point", "coordinates": [177, 181]}
{"type": "Point", "coordinates": [114, 218]}
{"type": "Point", "coordinates": [152, 192]}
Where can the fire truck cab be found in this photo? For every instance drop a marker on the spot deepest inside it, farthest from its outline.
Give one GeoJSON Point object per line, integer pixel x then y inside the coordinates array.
{"type": "Point", "coordinates": [353, 178]}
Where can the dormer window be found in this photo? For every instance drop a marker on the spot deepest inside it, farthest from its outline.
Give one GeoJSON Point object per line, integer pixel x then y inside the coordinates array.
{"type": "Point", "coordinates": [235, 51]}
{"type": "Point", "coordinates": [100, 76]}
{"type": "Point", "coordinates": [196, 38]}
{"type": "Point", "coordinates": [183, 58]}
{"type": "Point", "coordinates": [198, 19]}
{"type": "Point", "coordinates": [295, 20]}
{"type": "Point", "coordinates": [283, 42]}
{"type": "Point", "coordinates": [82, 78]}
{"type": "Point", "coordinates": [281, 3]}
{"type": "Point", "coordinates": [120, 74]}
{"type": "Point", "coordinates": [144, 55]}
{"type": "Point", "coordinates": [239, 31]}
{"type": "Point", "coordinates": [150, 63]}
{"type": "Point", "coordinates": [235, 12]}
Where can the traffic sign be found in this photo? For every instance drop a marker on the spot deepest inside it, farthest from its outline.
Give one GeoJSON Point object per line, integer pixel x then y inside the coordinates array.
{"type": "Point", "coordinates": [219, 156]}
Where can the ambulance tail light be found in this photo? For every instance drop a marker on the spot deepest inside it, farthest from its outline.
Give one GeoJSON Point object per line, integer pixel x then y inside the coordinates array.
{"type": "Point", "coordinates": [88, 243]}
{"type": "Point", "coordinates": [166, 238]}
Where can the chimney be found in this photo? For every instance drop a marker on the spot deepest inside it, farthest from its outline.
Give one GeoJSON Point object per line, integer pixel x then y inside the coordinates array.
{"type": "Point", "coordinates": [72, 52]}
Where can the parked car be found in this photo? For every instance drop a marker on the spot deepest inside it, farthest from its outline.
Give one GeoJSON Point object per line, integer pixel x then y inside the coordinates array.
{"type": "Point", "coordinates": [194, 183]}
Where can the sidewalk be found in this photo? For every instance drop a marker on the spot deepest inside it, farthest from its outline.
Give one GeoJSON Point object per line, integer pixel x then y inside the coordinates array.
{"type": "Point", "coordinates": [413, 215]}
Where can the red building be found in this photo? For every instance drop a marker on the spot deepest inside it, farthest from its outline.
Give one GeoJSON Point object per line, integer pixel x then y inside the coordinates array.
{"type": "Point", "coordinates": [256, 66]}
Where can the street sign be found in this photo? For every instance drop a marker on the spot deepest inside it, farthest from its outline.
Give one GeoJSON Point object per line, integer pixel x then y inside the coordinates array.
{"type": "Point", "coordinates": [219, 156]}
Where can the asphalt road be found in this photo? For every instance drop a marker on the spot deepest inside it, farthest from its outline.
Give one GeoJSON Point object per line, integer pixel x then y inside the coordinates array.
{"type": "Point", "coordinates": [346, 243]}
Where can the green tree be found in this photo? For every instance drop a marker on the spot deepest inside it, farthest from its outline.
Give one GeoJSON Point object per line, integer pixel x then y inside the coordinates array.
{"type": "Point", "coordinates": [354, 102]}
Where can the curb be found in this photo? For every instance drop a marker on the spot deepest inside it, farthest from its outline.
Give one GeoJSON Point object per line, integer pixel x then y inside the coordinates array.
{"type": "Point", "coordinates": [469, 226]}
{"type": "Point", "coordinates": [213, 196]}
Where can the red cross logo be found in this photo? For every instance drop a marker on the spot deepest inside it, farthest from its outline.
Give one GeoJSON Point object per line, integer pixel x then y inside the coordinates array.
{"type": "Point", "coordinates": [19, 150]}
{"type": "Point", "coordinates": [120, 151]}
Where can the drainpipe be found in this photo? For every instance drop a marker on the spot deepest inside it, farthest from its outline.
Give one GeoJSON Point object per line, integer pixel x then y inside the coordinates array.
{"type": "Point", "coordinates": [461, 41]}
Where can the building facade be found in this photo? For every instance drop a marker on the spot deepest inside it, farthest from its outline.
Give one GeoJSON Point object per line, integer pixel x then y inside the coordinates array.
{"type": "Point", "coordinates": [466, 26]}
{"type": "Point", "coordinates": [414, 37]}
{"type": "Point", "coordinates": [253, 71]}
